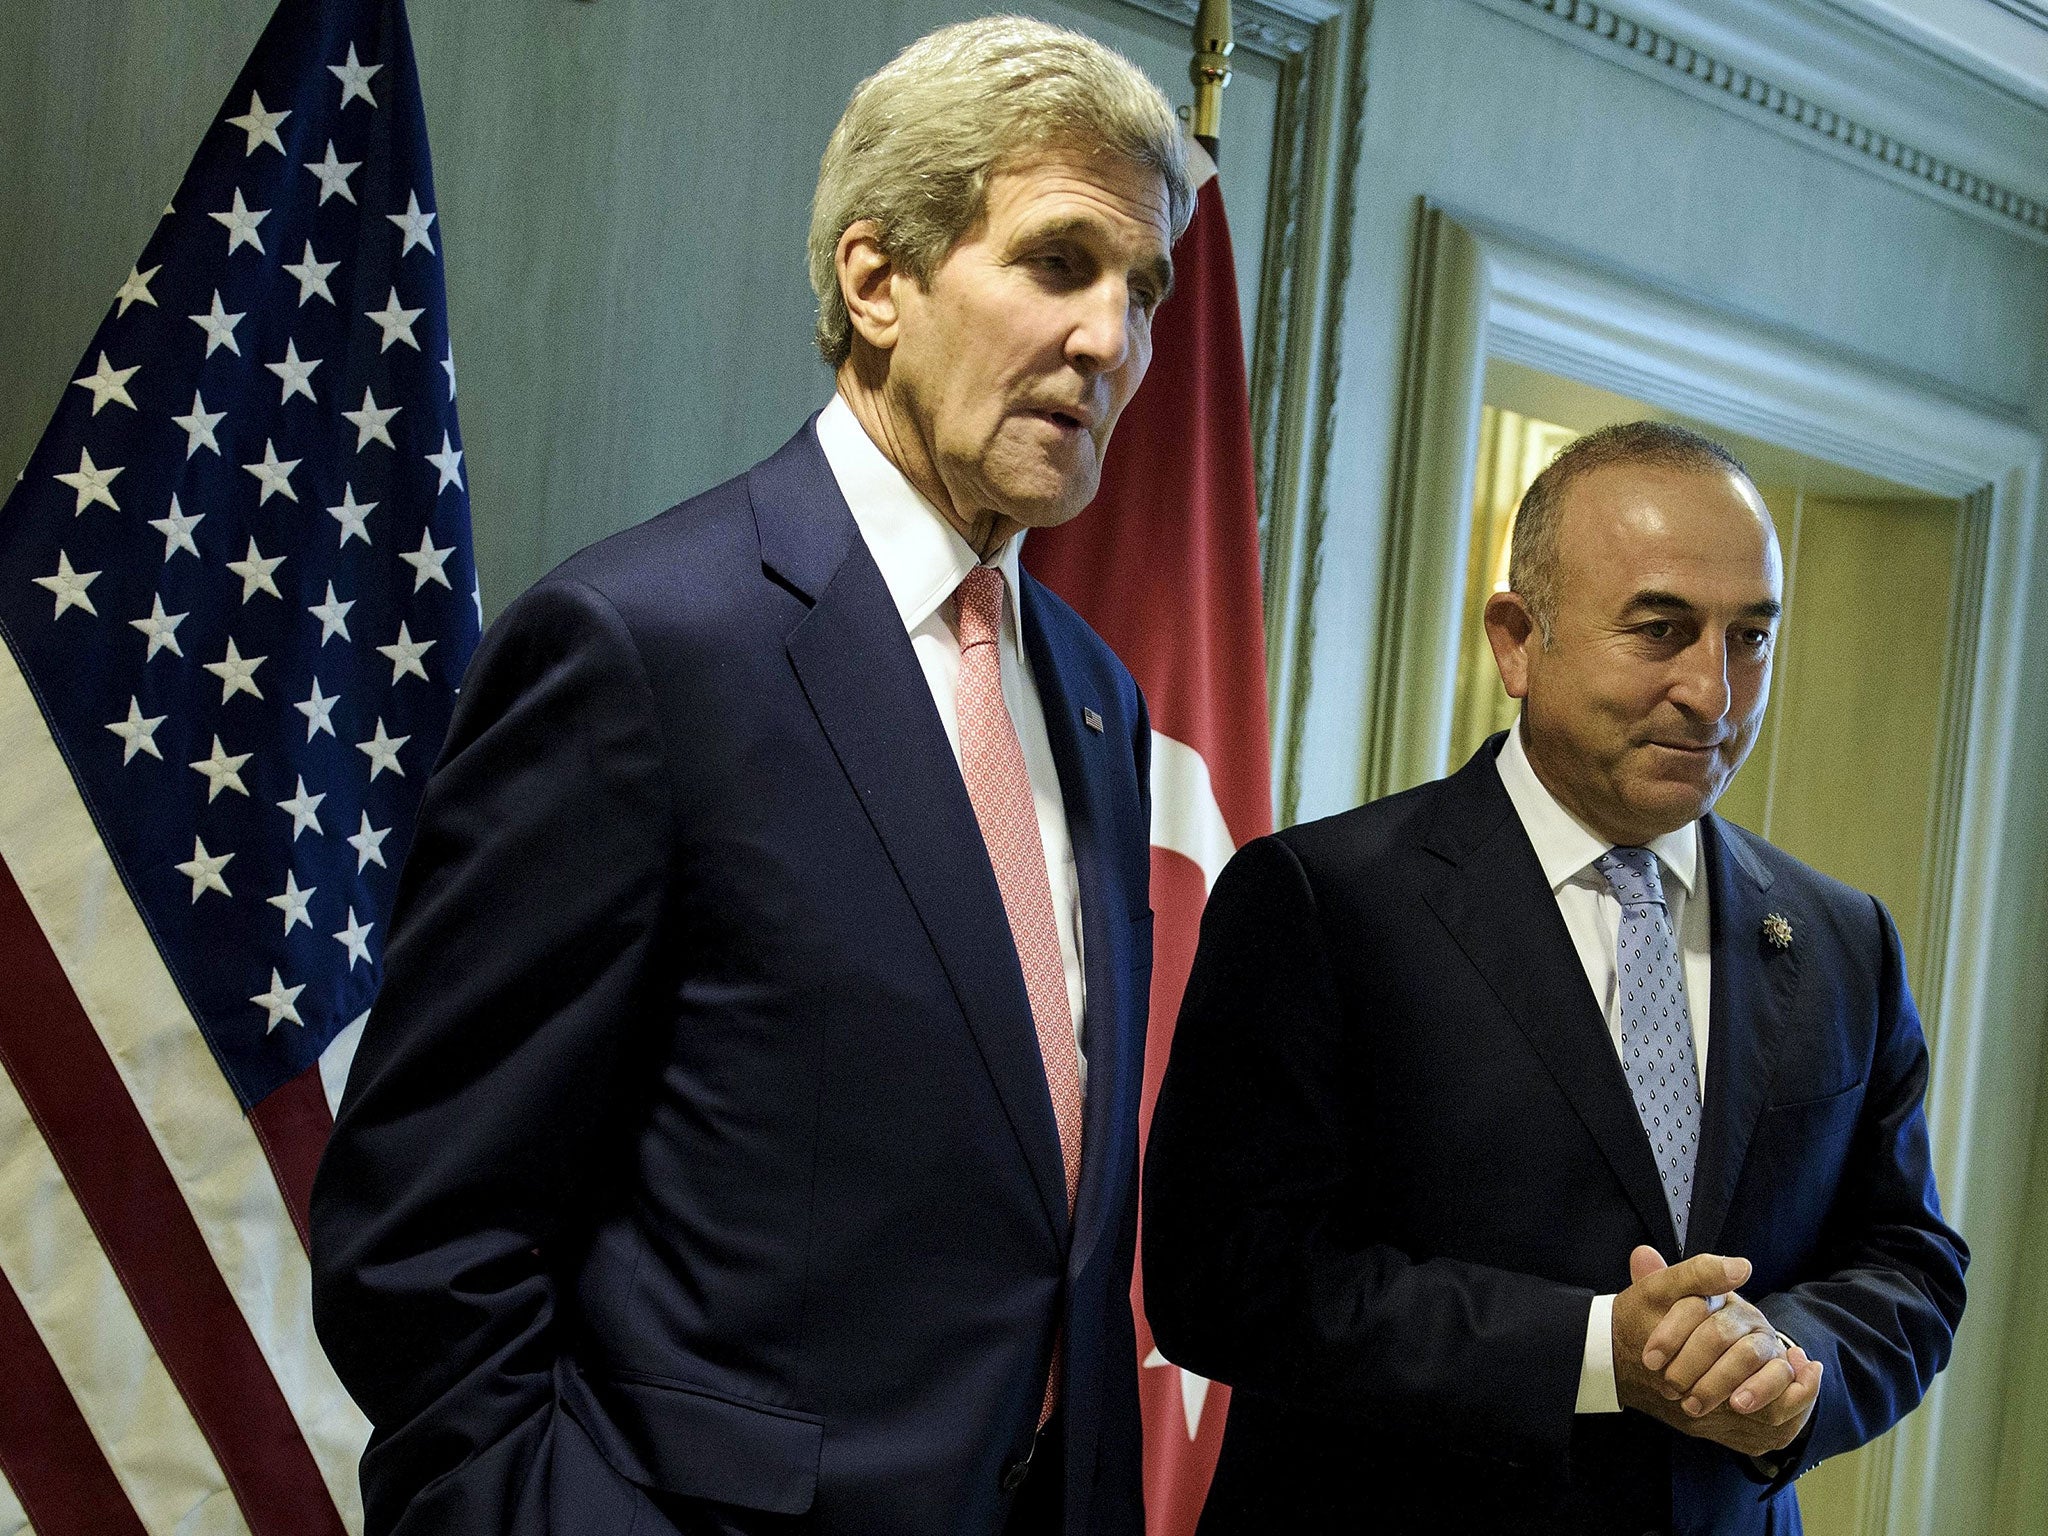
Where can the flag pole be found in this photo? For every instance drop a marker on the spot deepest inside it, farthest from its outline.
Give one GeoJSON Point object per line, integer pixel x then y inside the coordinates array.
{"type": "Point", "coordinates": [1210, 71]}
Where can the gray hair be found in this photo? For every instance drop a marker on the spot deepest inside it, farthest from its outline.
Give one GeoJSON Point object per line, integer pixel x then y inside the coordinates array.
{"type": "Point", "coordinates": [1534, 565]}
{"type": "Point", "coordinates": [921, 137]}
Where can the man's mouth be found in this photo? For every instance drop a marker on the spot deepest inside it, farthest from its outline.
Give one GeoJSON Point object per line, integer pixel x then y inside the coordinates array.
{"type": "Point", "coordinates": [1067, 420]}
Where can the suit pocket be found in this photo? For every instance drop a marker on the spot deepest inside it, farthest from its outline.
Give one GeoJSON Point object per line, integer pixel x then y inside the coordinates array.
{"type": "Point", "coordinates": [1815, 1101]}
{"type": "Point", "coordinates": [676, 1438]}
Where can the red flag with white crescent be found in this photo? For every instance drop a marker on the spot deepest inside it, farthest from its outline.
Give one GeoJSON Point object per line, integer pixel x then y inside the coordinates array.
{"type": "Point", "coordinates": [1165, 566]}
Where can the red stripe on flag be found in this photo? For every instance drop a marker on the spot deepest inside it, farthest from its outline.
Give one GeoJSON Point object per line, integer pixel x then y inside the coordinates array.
{"type": "Point", "coordinates": [47, 1450]}
{"type": "Point", "coordinates": [1165, 566]}
{"type": "Point", "coordinates": [293, 1125]}
{"type": "Point", "coordinates": [111, 1163]}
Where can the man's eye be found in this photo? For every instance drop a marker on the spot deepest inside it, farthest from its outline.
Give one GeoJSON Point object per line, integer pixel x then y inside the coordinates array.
{"type": "Point", "coordinates": [1658, 629]}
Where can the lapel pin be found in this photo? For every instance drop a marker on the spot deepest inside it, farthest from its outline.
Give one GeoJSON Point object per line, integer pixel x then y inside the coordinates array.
{"type": "Point", "coordinates": [1092, 720]}
{"type": "Point", "coordinates": [1778, 931]}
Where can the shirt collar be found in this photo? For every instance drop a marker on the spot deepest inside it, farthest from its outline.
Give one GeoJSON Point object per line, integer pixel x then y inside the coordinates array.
{"type": "Point", "coordinates": [921, 557]}
{"type": "Point", "coordinates": [1565, 846]}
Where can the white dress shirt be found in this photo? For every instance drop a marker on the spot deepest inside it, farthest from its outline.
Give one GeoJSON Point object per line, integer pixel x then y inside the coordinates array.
{"type": "Point", "coordinates": [923, 560]}
{"type": "Point", "coordinates": [1566, 849]}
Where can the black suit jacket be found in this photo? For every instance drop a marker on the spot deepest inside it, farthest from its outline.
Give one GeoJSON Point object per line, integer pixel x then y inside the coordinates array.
{"type": "Point", "coordinates": [1395, 1157]}
{"type": "Point", "coordinates": [698, 1170]}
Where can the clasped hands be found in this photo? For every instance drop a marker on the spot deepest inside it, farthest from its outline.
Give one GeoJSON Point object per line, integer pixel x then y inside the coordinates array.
{"type": "Point", "coordinates": [1691, 1353]}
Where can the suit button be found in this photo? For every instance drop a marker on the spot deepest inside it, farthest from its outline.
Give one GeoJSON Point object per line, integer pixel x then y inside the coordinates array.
{"type": "Point", "coordinates": [1015, 1473]}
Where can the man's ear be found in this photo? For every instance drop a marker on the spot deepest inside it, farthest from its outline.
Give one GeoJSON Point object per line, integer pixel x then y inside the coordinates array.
{"type": "Point", "coordinates": [1512, 631]}
{"type": "Point", "coordinates": [867, 275]}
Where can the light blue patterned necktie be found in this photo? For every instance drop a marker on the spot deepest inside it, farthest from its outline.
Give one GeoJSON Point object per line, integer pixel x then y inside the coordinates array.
{"type": "Point", "coordinates": [1656, 1025]}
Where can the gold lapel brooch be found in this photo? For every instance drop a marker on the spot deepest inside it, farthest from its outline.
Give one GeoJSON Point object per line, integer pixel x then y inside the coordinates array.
{"type": "Point", "coordinates": [1778, 931]}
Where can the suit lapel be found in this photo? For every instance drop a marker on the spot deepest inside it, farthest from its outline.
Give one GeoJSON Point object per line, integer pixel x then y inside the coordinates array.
{"type": "Point", "coordinates": [1752, 993]}
{"type": "Point", "coordinates": [862, 680]}
{"type": "Point", "coordinates": [1497, 905]}
{"type": "Point", "coordinates": [1081, 756]}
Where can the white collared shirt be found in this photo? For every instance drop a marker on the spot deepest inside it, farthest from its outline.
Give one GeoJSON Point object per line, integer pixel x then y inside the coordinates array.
{"type": "Point", "coordinates": [1566, 848]}
{"type": "Point", "coordinates": [923, 561]}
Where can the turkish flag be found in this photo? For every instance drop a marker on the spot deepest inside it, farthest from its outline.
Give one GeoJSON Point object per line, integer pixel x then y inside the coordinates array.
{"type": "Point", "coordinates": [1165, 565]}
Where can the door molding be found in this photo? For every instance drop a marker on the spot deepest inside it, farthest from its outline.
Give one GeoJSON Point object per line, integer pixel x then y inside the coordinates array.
{"type": "Point", "coordinates": [1478, 291]}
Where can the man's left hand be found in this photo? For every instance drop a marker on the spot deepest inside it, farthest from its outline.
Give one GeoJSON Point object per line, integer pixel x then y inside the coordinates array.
{"type": "Point", "coordinates": [1727, 1373]}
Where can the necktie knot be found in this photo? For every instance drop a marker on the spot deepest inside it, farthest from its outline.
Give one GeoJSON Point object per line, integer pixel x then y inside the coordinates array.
{"type": "Point", "coordinates": [1632, 875]}
{"type": "Point", "coordinates": [979, 601]}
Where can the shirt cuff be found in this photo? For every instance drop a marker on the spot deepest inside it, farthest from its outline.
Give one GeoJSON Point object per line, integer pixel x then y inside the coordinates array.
{"type": "Point", "coordinates": [1597, 1392]}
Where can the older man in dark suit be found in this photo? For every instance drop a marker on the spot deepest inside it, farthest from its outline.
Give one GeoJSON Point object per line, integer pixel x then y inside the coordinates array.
{"type": "Point", "coordinates": [744, 1139]}
{"type": "Point", "coordinates": [1435, 1118]}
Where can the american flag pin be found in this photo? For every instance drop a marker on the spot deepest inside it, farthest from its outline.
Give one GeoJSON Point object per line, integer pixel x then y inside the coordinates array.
{"type": "Point", "coordinates": [1092, 720]}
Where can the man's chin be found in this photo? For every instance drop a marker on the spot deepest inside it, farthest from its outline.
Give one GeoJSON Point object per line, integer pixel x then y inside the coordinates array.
{"type": "Point", "coordinates": [1061, 505]}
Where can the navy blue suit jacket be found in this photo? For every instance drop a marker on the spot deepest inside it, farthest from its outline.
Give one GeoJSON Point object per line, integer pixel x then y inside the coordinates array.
{"type": "Point", "coordinates": [1395, 1156]}
{"type": "Point", "coordinates": [697, 1170]}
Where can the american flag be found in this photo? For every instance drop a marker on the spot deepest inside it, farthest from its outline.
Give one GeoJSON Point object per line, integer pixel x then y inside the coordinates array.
{"type": "Point", "coordinates": [237, 595]}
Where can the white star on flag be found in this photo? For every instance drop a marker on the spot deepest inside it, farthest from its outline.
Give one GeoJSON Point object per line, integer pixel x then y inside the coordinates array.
{"type": "Point", "coordinates": [396, 321]}
{"type": "Point", "coordinates": [177, 530]}
{"type": "Point", "coordinates": [1194, 1391]}
{"type": "Point", "coordinates": [296, 374]}
{"type": "Point", "coordinates": [415, 225]}
{"type": "Point", "coordinates": [91, 482]}
{"type": "Point", "coordinates": [356, 938]}
{"type": "Point", "coordinates": [261, 126]}
{"type": "Point", "coordinates": [199, 424]}
{"type": "Point", "coordinates": [292, 900]}
{"type": "Point", "coordinates": [70, 585]}
{"type": "Point", "coordinates": [108, 383]}
{"type": "Point", "coordinates": [318, 709]}
{"type": "Point", "coordinates": [136, 290]}
{"type": "Point", "coordinates": [312, 274]}
{"type": "Point", "coordinates": [426, 561]}
{"type": "Point", "coordinates": [448, 366]}
{"type": "Point", "coordinates": [222, 771]}
{"type": "Point", "coordinates": [237, 673]}
{"type": "Point", "coordinates": [276, 475]}
{"type": "Point", "coordinates": [405, 653]}
{"type": "Point", "coordinates": [333, 174]}
{"type": "Point", "coordinates": [240, 222]}
{"type": "Point", "coordinates": [369, 845]}
{"type": "Point", "coordinates": [255, 572]}
{"type": "Point", "coordinates": [204, 870]}
{"type": "Point", "coordinates": [382, 751]}
{"type": "Point", "coordinates": [137, 734]}
{"type": "Point", "coordinates": [333, 616]}
{"type": "Point", "coordinates": [220, 327]}
{"type": "Point", "coordinates": [304, 809]}
{"type": "Point", "coordinates": [372, 424]}
{"type": "Point", "coordinates": [161, 627]}
{"type": "Point", "coordinates": [280, 1002]}
{"type": "Point", "coordinates": [354, 78]}
{"type": "Point", "coordinates": [353, 515]}
{"type": "Point", "coordinates": [449, 462]}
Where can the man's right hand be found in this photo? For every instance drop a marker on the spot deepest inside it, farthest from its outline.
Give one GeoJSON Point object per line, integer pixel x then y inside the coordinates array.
{"type": "Point", "coordinates": [1655, 1289]}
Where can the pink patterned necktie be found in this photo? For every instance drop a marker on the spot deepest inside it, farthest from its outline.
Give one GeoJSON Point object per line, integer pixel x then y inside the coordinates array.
{"type": "Point", "coordinates": [992, 763]}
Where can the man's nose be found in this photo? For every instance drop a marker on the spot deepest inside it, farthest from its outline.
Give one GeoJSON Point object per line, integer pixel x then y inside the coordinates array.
{"type": "Point", "coordinates": [1701, 685]}
{"type": "Point", "coordinates": [1100, 341]}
